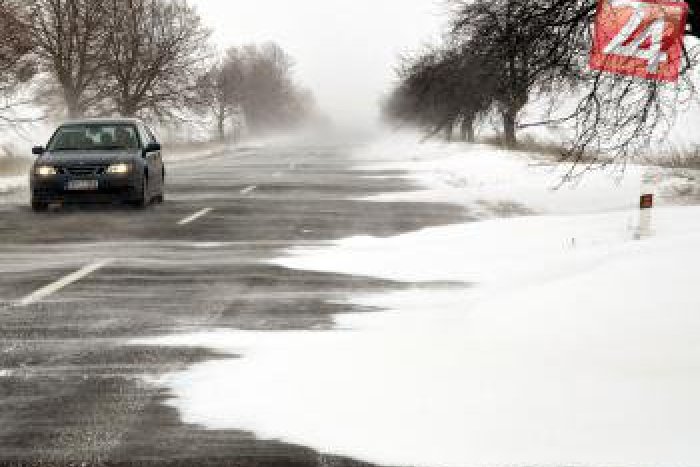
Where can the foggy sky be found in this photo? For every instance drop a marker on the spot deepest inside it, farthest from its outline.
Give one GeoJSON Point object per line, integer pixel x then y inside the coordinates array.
{"type": "Point", "coordinates": [345, 49]}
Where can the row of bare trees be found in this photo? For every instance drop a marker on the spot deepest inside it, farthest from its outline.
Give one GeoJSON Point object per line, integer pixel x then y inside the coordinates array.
{"type": "Point", "coordinates": [147, 58]}
{"type": "Point", "coordinates": [118, 56]}
{"type": "Point", "coordinates": [500, 55]}
{"type": "Point", "coordinates": [254, 81]}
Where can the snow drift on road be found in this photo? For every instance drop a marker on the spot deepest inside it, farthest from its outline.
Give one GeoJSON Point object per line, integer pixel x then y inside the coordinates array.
{"type": "Point", "coordinates": [571, 343]}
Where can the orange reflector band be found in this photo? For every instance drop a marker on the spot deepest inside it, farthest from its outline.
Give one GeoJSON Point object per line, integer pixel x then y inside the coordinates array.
{"type": "Point", "coordinates": [646, 202]}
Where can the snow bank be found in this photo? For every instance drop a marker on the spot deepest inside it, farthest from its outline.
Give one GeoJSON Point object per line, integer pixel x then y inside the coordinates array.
{"type": "Point", "coordinates": [473, 174]}
{"type": "Point", "coordinates": [571, 343]}
{"type": "Point", "coordinates": [8, 184]}
{"type": "Point", "coordinates": [590, 360]}
{"type": "Point", "coordinates": [494, 252]}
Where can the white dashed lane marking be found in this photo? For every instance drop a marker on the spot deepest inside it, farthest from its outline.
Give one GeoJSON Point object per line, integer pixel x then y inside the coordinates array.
{"type": "Point", "coordinates": [51, 289]}
{"type": "Point", "coordinates": [195, 216]}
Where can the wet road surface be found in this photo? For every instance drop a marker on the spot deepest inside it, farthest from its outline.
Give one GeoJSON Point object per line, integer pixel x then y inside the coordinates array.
{"type": "Point", "coordinates": [78, 284]}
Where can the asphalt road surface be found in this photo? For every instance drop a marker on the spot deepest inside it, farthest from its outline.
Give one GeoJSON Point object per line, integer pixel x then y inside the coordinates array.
{"type": "Point", "coordinates": [78, 283]}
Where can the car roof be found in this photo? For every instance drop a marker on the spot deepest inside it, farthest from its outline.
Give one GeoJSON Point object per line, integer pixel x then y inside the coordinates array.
{"type": "Point", "coordinates": [104, 121]}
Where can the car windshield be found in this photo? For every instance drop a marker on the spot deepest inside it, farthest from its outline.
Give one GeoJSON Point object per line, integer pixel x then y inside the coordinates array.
{"type": "Point", "coordinates": [94, 137]}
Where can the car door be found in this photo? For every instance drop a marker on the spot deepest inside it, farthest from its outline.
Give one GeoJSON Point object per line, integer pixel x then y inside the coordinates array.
{"type": "Point", "coordinates": [154, 160]}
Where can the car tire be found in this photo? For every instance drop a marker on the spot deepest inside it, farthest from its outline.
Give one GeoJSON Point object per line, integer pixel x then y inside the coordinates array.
{"type": "Point", "coordinates": [160, 198]}
{"type": "Point", "coordinates": [38, 206]}
{"type": "Point", "coordinates": [143, 200]}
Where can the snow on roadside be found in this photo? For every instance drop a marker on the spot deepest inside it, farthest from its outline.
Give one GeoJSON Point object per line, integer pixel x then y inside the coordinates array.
{"type": "Point", "coordinates": [571, 342]}
{"type": "Point", "coordinates": [471, 174]}
{"type": "Point", "coordinates": [586, 366]}
{"type": "Point", "coordinates": [8, 184]}
{"type": "Point", "coordinates": [493, 252]}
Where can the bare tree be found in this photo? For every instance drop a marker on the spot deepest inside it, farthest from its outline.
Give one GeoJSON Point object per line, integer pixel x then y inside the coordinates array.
{"type": "Point", "coordinates": [532, 49]}
{"type": "Point", "coordinates": [616, 117]}
{"type": "Point", "coordinates": [527, 46]}
{"type": "Point", "coordinates": [254, 83]}
{"type": "Point", "coordinates": [158, 50]}
{"type": "Point", "coordinates": [271, 99]}
{"type": "Point", "coordinates": [425, 94]}
{"type": "Point", "coordinates": [440, 88]}
{"type": "Point", "coordinates": [17, 65]}
{"type": "Point", "coordinates": [221, 88]}
{"type": "Point", "coordinates": [68, 37]}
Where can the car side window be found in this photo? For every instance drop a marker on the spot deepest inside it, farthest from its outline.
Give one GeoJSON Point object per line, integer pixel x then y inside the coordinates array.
{"type": "Point", "coordinates": [145, 138]}
{"type": "Point", "coordinates": [151, 134]}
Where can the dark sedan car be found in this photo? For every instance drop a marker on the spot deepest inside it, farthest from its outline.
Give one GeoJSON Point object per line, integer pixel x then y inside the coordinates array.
{"type": "Point", "coordinates": [99, 161]}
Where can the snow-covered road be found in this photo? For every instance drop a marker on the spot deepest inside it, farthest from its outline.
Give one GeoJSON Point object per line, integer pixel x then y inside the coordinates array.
{"type": "Point", "coordinates": [570, 342]}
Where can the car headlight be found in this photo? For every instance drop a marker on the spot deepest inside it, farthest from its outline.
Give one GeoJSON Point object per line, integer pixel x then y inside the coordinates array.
{"type": "Point", "coordinates": [45, 170]}
{"type": "Point", "coordinates": [119, 169]}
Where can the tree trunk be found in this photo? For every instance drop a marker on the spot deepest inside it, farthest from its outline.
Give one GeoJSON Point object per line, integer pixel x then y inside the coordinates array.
{"type": "Point", "coordinates": [449, 129]}
{"type": "Point", "coordinates": [468, 130]}
{"type": "Point", "coordinates": [127, 109]}
{"type": "Point", "coordinates": [74, 111]}
{"type": "Point", "coordinates": [236, 132]}
{"type": "Point", "coordinates": [221, 129]}
{"type": "Point", "coordinates": [221, 121]}
{"type": "Point", "coordinates": [73, 106]}
{"type": "Point", "coordinates": [509, 133]}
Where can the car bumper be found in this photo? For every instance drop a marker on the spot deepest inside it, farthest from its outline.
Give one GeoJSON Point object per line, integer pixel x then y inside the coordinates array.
{"type": "Point", "coordinates": [110, 188]}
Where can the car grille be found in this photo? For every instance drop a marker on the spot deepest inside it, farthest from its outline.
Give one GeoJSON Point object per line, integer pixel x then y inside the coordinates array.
{"type": "Point", "coordinates": [84, 170]}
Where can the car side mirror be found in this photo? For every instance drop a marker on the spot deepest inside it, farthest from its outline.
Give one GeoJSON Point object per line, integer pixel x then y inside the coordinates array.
{"type": "Point", "coordinates": [152, 147]}
{"type": "Point", "coordinates": [38, 150]}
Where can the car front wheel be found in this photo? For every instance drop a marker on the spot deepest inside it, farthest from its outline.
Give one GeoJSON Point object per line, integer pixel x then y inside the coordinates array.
{"type": "Point", "coordinates": [160, 198]}
{"type": "Point", "coordinates": [142, 200]}
{"type": "Point", "coordinates": [38, 206]}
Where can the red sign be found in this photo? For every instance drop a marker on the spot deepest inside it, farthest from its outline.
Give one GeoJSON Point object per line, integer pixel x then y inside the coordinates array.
{"type": "Point", "coordinates": [646, 202]}
{"type": "Point", "coordinates": [640, 38]}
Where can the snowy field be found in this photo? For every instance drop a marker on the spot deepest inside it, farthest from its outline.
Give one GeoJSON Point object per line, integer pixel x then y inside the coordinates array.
{"type": "Point", "coordinates": [13, 189]}
{"type": "Point", "coordinates": [572, 341]}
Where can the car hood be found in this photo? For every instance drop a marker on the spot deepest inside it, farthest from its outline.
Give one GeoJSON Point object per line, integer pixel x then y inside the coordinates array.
{"type": "Point", "coordinates": [88, 157]}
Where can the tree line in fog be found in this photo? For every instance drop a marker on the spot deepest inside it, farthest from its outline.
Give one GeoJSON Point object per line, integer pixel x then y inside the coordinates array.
{"type": "Point", "coordinates": [498, 56]}
{"type": "Point", "coordinates": [146, 58]}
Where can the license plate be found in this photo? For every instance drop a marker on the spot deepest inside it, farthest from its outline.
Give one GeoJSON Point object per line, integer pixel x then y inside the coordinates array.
{"type": "Point", "coordinates": [82, 185]}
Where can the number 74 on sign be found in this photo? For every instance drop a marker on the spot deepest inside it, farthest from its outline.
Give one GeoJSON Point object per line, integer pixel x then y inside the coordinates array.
{"type": "Point", "coordinates": [640, 38]}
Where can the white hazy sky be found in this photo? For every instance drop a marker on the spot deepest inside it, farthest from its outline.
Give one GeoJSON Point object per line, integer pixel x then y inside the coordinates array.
{"type": "Point", "coordinates": [345, 49]}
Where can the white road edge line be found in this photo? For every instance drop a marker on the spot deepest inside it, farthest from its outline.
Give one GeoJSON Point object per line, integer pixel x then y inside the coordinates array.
{"type": "Point", "coordinates": [50, 289]}
{"type": "Point", "coordinates": [248, 190]}
{"type": "Point", "coordinates": [195, 216]}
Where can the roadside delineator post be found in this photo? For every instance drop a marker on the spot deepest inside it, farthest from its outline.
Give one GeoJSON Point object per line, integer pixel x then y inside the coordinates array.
{"type": "Point", "coordinates": [646, 206]}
